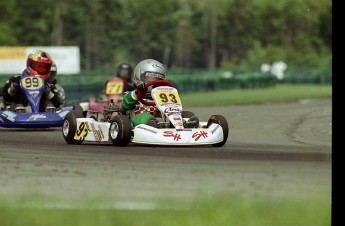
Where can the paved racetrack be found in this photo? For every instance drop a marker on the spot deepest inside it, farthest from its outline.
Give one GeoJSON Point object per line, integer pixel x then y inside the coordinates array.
{"type": "Point", "coordinates": [273, 150]}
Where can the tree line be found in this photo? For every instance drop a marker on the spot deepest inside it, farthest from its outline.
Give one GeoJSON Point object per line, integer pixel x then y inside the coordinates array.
{"type": "Point", "coordinates": [179, 33]}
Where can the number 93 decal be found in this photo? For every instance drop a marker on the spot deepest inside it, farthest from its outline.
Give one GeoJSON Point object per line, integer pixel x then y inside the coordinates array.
{"type": "Point", "coordinates": [32, 83]}
{"type": "Point", "coordinates": [167, 98]}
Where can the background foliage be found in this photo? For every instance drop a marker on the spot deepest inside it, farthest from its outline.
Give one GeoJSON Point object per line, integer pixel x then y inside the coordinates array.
{"type": "Point", "coordinates": [180, 33]}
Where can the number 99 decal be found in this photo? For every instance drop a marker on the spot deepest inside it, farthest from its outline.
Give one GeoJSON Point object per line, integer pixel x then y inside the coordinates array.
{"type": "Point", "coordinates": [32, 82]}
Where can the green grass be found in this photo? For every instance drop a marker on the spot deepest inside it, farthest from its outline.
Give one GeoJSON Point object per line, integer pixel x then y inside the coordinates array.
{"type": "Point", "coordinates": [279, 93]}
{"type": "Point", "coordinates": [217, 211]}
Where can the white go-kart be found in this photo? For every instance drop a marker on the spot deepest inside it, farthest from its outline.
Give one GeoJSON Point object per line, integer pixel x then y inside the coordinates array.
{"type": "Point", "coordinates": [172, 126]}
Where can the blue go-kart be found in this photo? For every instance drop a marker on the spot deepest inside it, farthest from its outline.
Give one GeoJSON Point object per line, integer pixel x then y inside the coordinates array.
{"type": "Point", "coordinates": [31, 116]}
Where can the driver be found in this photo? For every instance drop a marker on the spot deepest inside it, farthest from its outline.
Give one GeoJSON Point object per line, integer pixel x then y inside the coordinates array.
{"type": "Point", "coordinates": [38, 63]}
{"type": "Point", "coordinates": [146, 71]}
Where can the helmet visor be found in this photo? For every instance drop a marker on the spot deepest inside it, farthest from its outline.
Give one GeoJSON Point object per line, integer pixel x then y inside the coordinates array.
{"type": "Point", "coordinates": [151, 76]}
{"type": "Point", "coordinates": [41, 67]}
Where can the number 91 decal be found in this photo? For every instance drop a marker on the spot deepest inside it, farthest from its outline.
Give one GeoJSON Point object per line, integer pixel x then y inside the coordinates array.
{"type": "Point", "coordinates": [82, 131]}
{"type": "Point", "coordinates": [32, 82]}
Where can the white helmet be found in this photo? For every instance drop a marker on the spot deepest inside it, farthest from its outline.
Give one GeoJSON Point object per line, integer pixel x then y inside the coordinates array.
{"type": "Point", "coordinates": [148, 70]}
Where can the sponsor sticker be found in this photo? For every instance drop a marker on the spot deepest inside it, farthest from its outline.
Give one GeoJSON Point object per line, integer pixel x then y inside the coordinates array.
{"type": "Point", "coordinates": [100, 132]}
{"type": "Point", "coordinates": [62, 114]}
{"type": "Point", "coordinates": [197, 135]}
{"type": "Point", "coordinates": [34, 93]}
{"type": "Point", "coordinates": [36, 116]}
{"type": "Point", "coordinates": [97, 133]}
{"type": "Point", "coordinates": [147, 129]}
{"type": "Point", "coordinates": [214, 130]}
{"type": "Point", "coordinates": [176, 136]}
{"type": "Point", "coordinates": [9, 115]}
{"type": "Point", "coordinates": [171, 110]}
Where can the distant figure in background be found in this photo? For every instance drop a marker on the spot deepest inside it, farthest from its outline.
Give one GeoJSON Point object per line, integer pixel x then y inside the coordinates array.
{"type": "Point", "coordinates": [125, 72]}
{"type": "Point", "coordinates": [115, 87]}
{"type": "Point", "coordinates": [38, 63]}
{"type": "Point", "coordinates": [278, 69]}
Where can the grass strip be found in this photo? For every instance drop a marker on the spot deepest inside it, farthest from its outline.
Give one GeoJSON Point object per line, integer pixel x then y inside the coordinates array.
{"type": "Point", "coordinates": [212, 211]}
{"type": "Point", "coordinates": [279, 93]}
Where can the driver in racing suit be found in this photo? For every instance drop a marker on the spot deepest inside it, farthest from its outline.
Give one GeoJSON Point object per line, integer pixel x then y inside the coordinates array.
{"type": "Point", "coordinates": [146, 71]}
{"type": "Point", "coordinates": [38, 63]}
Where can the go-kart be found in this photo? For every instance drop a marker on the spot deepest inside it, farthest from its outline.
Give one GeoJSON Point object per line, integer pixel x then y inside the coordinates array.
{"type": "Point", "coordinates": [30, 116]}
{"type": "Point", "coordinates": [113, 91]}
{"type": "Point", "coordinates": [174, 126]}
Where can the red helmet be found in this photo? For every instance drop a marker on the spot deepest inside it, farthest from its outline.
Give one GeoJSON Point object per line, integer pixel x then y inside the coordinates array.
{"type": "Point", "coordinates": [39, 62]}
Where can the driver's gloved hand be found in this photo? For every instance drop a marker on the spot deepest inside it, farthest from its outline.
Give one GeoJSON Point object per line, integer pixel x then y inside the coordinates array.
{"type": "Point", "coordinates": [13, 88]}
{"type": "Point", "coordinates": [140, 86]}
{"type": "Point", "coordinates": [49, 85]}
{"type": "Point", "coordinates": [15, 85]}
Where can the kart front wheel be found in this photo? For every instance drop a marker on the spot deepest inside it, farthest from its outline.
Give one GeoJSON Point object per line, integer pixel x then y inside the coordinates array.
{"type": "Point", "coordinates": [69, 128]}
{"type": "Point", "coordinates": [221, 120]}
{"type": "Point", "coordinates": [120, 130]}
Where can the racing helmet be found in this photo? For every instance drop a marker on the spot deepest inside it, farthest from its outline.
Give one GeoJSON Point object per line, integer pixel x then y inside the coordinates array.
{"type": "Point", "coordinates": [124, 70]}
{"type": "Point", "coordinates": [39, 62]}
{"type": "Point", "coordinates": [148, 70]}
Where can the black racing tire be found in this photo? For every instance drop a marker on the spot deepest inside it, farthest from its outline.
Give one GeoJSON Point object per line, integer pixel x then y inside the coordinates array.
{"type": "Point", "coordinates": [120, 130]}
{"type": "Point", "coordinates": [78, 110]}
{"type": "Point", "coordinates": [69, 128]}
{"type": "Point", "coordinates": [221, 120]}
{"type": "Point", "coordinates": [187, 114]}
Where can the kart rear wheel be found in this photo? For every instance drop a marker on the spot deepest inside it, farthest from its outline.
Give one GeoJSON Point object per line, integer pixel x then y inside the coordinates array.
{"type": "Point", "coordinates": [221, 120]}
{"type": "Point", "coordinates": [78, 110]}
{"type": "Point", "coordinates": [69, 128]}
{"type": "Point", "coordinates": [120, 131]}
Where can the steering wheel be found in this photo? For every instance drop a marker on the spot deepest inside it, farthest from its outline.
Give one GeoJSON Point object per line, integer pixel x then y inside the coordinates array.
{"type": "Point", "coordinates": [140, 93]}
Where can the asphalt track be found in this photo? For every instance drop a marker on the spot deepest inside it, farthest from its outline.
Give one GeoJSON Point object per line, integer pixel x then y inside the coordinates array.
{"type": "Point", "coordinates": [273, 151]}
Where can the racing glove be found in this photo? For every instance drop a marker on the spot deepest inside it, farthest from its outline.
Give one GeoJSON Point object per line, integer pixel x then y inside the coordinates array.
{"type": "Point", "coordinates": [140, 86]}
{"type": "Point", "coordinates": [14, 87]}
{"type": "Point", "coordinates": [51, 94]}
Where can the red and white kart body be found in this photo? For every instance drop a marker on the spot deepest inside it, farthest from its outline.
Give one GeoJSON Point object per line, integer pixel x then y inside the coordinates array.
{"type": "Point", "coordinates": [115, 125]}
{"type": "Point", "coordinates": [145, 134]}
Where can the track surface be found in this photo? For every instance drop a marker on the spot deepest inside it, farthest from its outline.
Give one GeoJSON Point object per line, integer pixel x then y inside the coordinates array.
{"type": "Point", "coordinates": [273, 150]}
